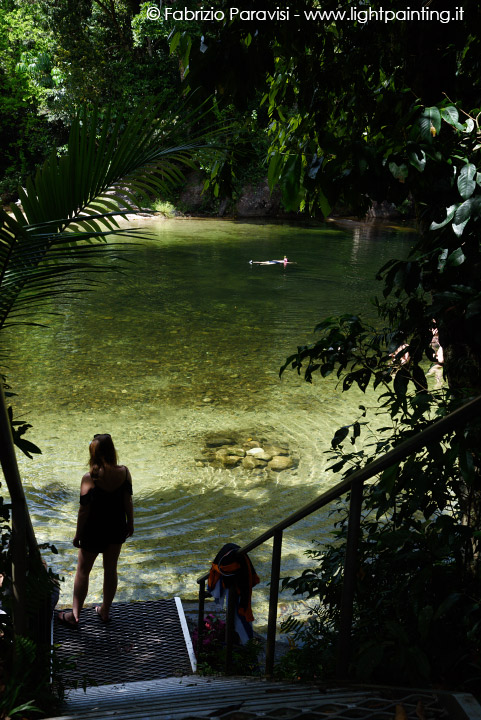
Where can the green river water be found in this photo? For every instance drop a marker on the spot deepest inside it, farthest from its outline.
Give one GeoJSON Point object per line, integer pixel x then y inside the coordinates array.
{"type": "Point", "coordinates": [188, 341]}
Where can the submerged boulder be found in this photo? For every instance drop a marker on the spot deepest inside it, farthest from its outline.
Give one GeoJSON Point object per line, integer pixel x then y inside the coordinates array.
{"type": "Point", "coordinates": [223, 450]}
{"type": "Point", "coordinates": [226, 458]}
{"type": "Point", "coordinates": [276, 450]}
{"type": "Point", "coordinates": [250, 462]}
{"type": "Point", "coordinates": [259, 453]}
{"type": "Point", "coordinates": [233, 450]}
{"type": "Point", "coordinates": [280, 462]}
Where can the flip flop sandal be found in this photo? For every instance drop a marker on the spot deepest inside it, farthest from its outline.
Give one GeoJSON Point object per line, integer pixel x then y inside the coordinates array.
{"type": "Point", "coordinates": [62, 619]}
{"type": "Point", "coordinates": [97, 610]}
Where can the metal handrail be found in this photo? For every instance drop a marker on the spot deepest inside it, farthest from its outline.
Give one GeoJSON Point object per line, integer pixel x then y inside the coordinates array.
{"type": "Point", "coordinates": [355, 483]}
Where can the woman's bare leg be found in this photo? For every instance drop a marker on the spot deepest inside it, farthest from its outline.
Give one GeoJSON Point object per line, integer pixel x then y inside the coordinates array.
{"type": "Point", "coordinates": [111, 556]}
{"type": "Point", "coordinates": [81, 584]}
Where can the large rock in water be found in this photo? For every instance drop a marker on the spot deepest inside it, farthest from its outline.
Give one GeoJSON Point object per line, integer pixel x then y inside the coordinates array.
{"type": "Point", "coordinates": [208, 455]}
{"type": "Point", "coordinates": [223, 449]}
{"type": "Point", "coordinates": [235, 450]}
{"type": "Point", "coordinates": [280, 462]}
{"type": "Point", "coordinates": [276, 450]}
{"type": "Point", "coordinates": [250, 462]}
{"type": "Point", "coordinates": [259, 453]}
{"type": "Point", "coordinates": [226, 458]}
{"type": "Point", "coordinates": [231, 460]}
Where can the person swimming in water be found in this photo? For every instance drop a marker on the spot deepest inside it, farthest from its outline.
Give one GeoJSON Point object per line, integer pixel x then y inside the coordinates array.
{"type": "Point", "coordinates": [284, 262]}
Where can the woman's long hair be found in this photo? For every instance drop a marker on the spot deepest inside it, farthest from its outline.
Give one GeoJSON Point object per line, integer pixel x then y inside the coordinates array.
{"type": "Point", "coordinates": [102, 452]}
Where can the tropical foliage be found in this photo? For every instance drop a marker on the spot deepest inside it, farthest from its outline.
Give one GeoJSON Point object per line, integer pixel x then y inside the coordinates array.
{"type": "Point", "coordinates": [341, 113]}
{"type": "Point", "coordinates": [417, 621]}
{"type": "Point", "coordinates": [361, 111]}
{"type": "Point", "coordinates": [417, 610]}
{"type": "Point", "coordinates": [47, 246]}
{"type": "Point", "coordinates": [55, 59]}
{"type": "Point", "coordinates": [77, 197]}
{"type": "Point", "coordinates": [437, 288]}
{"type": "Point", "coordinates": [335, 90]}
{"type": "Point", "coordinates": [73, 204]}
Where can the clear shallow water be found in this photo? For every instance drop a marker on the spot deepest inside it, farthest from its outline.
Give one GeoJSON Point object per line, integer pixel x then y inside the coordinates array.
{"type": "Point", "coordinates": [189, 340]}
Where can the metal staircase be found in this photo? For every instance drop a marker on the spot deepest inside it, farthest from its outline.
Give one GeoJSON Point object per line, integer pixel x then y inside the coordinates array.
{"type": "Point", "coordinates": [142, 641]}
{"type": "Point", "coordinates": [194, 697]}
{"type": "Point", "coordinates": [132, 661]}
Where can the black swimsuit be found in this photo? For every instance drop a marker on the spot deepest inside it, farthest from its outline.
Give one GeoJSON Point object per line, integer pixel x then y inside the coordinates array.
{"type": "Point", "coordinates": [107, 521]}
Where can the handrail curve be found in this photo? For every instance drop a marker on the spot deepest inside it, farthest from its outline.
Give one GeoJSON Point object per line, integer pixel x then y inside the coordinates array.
{"type": "Point", "coordinates": [356, 479]}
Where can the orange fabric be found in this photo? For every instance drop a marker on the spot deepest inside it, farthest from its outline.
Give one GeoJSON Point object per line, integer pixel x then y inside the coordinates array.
{"type": "Point", "coordinates": [216, 573]}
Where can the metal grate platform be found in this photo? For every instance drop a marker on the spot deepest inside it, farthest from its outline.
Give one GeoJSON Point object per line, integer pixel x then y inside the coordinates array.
{"type": "Point", "coordinates": [215, 698]}
{"type": "Point", "coordinates": [143, 641]}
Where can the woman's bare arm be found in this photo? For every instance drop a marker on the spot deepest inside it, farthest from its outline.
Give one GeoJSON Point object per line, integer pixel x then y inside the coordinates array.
{"type": "Point", "coordinates": [84, 510]}
{"type": "Point", "coordinates": [129, 508]}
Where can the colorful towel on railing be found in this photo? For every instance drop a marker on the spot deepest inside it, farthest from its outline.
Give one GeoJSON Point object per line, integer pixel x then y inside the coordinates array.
{"type": "Point", "coordinates": [236, 574]}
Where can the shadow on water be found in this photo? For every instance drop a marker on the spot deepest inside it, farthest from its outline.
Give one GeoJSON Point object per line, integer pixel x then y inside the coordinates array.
{"type": "Point", "coordinates": [175, 543]}
{"type": "Point", "coordinates": [188, 341]}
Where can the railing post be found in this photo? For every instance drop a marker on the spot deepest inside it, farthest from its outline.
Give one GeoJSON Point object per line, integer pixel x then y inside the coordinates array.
{"type": "Point", "coordinates": [200, 617]}
{"type": "Point", "coordinates": [349, 582]}
{"type": "Point", "coordinates": [352, 484]}
{"type": "Point", "coordinates": [229, 628]}
{"type": "Point", "coordinates": [273, 601]}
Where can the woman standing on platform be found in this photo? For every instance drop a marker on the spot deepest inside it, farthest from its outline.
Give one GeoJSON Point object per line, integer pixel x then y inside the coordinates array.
{"type": "Point", "coordinates": [105, 521]}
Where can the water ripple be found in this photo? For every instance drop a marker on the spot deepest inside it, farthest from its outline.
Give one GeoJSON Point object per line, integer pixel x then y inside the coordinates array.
{"type": "Point", "coordinates": [190, 342]}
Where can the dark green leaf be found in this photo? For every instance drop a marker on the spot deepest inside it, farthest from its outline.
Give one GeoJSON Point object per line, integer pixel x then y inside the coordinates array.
{"type": "Point", "coordinates": [467, 181]}
{"type": "Point", "coordinates": [419, 378]}
{"type": "Point", "coordinates": [450, 115]}
{"type": "Point", "coordinates": [417, 158]}
{"type": "Point", "coordinates": [425, 620]}
{"type": "Point", "coordinates": [430, 123]}
{"type": "Point", "coordinates": [456, 258]}
{"type": "Point", "coordinates": [399, 172]}
{"type": "Point", "coordinates": [462, 216]}
{"type": "Point", "coordinates": [449, 216]}
{"type": "Point", "coordinates": [389, 477]}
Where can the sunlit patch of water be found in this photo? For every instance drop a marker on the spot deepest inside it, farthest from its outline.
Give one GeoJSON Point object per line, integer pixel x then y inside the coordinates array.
{"type": "Point", "coordinates": [188, 341]}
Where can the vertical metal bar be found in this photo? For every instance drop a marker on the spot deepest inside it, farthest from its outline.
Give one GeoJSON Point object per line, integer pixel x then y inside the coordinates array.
{"type": "Point", "coordinates": [273, 599]}
{"type": "Point", "coordinates": [349, 582]}
{"type": "Point", "coordinates": [200, 617]}
{"type": "Point", "coordinates": [229, 628]}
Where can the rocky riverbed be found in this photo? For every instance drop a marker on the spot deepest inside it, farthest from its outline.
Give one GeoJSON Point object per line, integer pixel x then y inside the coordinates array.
{"type": "Point", "coordinates": [245, 451]}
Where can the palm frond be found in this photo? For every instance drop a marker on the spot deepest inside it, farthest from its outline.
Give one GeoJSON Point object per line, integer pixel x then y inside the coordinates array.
{"type": "Point", "coordinates": [73, 204]}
